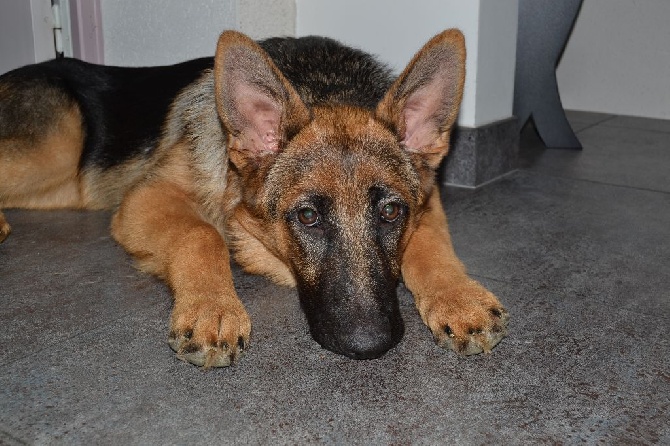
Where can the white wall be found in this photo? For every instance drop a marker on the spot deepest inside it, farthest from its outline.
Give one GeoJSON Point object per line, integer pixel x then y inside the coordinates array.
{"type": "Point", "coordinates": [496, 60]}
{"type": "Point", "coordinates": [155, 32]}
{"type": "Point", "coordinates": [260, 19]}
{"type": "Point", "coordinates": [396, 30]}
{"type": "Point", "coordinates": [618, 59]}
{"type": "Point", "coordinates": [26, 34]}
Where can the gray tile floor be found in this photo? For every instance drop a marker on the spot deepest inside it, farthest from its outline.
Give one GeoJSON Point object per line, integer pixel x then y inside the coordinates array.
{"type": "Point", "coordinates": [576, 244]}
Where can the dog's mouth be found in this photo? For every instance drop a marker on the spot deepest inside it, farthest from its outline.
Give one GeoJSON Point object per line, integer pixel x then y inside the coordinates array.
{"type": "Point", "coordinates": [363, 328]}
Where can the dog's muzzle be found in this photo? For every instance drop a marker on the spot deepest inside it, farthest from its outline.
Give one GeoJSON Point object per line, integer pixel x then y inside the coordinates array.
{"type": "Point", "coordinates": [352, 329]}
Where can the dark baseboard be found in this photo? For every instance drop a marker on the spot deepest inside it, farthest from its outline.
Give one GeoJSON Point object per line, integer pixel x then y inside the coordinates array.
{"type": "Point", "coordinates": [480, 155]}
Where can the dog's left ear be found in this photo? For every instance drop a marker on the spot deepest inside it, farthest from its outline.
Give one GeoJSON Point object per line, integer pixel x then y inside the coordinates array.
{"type": "Point", "coordinates": [422, 104]}
{"type": "Point", "coordinates": [258, 107]}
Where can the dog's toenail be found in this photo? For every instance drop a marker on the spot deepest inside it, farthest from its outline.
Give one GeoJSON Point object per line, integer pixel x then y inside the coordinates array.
{"type": "Point", "coordinates": [189, 348]}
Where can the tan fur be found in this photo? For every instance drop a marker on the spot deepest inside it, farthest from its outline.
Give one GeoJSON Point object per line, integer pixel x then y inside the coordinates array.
{"type": "Point", "coordinates": [41, 172]}
{"type": "Point", "coordinates": [159, 223]}
{"type": "Point", "coordinates": [105, 188]}
{"type": "Point", "coordinates": [247, 241]}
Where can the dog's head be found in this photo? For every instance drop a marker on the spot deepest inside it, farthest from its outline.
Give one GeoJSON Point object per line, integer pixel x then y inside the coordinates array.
{"type": "Point", "coordinates": [330, 194]}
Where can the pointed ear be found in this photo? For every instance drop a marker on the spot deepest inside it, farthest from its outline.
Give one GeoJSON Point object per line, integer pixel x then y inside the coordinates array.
{"type": "Point", "coordinates": [422, 104]}
{"type": "Point", "coordinates": [258, 107]}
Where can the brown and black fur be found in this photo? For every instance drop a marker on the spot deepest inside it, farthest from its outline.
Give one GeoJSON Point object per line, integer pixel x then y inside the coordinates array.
{"type": "Point", "coordinates": [304, 159]}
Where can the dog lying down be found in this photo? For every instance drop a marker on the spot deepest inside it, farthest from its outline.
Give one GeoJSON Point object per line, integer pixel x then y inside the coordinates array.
{"type": "Point", "coordinates": [303, 158]}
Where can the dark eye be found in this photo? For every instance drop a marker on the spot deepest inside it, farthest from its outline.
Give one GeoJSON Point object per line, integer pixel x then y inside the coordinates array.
{"type": "Point", "coordinates": [390, 212]}
{"type": "Point", "coordinates": [308, 216]}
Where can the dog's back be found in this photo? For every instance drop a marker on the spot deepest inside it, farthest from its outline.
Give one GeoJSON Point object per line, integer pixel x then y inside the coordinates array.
{"type": "Point", "coordinates": [323, 71]}
{"type": "Point", "coordinates": [78, 135]}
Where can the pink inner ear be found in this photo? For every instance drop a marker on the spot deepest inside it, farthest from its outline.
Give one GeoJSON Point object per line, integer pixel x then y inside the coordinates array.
{"type": "Point", "coordinates": [260, 116]}
{"type": "Point", "coordinates": [421, 116]}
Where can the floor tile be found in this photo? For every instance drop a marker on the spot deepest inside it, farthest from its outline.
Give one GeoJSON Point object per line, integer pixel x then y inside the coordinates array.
{"type": "Point", "coordinates": [614, 155]}
{"type": "Point", "coordinates": [579, 237]}
{"type": "Point", "coordinates": [580, 120]}
{"type": "Point", "coordinates": [121, 384]}
{"type": "Point", "coordinates": [62, 274]}
{"type": "Point", "coordinates": [632, 122]}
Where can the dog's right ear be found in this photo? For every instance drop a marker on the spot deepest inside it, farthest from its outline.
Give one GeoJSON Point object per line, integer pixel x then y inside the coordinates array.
{"type": "Point", "coordinates": [257, 105]}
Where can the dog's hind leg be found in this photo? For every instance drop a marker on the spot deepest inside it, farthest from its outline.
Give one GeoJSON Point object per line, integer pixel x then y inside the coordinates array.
{"type": "Point", "coordinates": [41, 140]}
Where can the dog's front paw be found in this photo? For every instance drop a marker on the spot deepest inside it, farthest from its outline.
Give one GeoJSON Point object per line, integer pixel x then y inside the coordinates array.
{"type": "Point", "coordinates": [209, 333]}
{"type": "Point", "coordinates": [467, 319]}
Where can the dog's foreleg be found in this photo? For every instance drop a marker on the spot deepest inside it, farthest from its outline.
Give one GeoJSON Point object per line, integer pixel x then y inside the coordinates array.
{"type": "Point", "coordinates": [460, 312]}
{"type": "Point", "coordinates": [159, 224]}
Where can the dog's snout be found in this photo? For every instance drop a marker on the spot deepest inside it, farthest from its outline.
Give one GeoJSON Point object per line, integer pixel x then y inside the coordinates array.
{"type": "Point", "coordinates": [354, 312]}
{"type": "Point", "coordinates": [368, 342]}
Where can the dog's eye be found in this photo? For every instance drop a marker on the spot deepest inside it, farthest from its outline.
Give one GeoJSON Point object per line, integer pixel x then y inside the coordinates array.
{"type": "Point", "coordinates": [390, 212]}
{"type": "Point", "coordinates": [308, 216]}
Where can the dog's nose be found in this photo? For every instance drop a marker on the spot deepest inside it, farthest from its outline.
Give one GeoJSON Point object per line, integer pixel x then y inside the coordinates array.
{"type": "Point", "coordinates": [369, 342]}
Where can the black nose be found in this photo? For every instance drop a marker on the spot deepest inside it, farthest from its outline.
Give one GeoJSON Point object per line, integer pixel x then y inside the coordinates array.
{"type": "Point", "coordinates": [360, 327]}
{"type": "Point", "coordinates": [368, 342]}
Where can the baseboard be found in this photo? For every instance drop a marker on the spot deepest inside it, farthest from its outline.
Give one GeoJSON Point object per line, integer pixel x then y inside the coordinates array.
{"type": "Point", "coordinates": [479, 155]}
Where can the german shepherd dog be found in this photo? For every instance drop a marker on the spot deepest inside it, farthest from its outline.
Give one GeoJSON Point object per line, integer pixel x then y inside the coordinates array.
{"type": "Point", "coordinates": [303, 158]}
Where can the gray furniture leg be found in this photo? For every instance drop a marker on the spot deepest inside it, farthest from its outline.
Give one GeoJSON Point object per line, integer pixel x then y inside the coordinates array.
{"type": "Point", "coordinates": [544, 28]}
